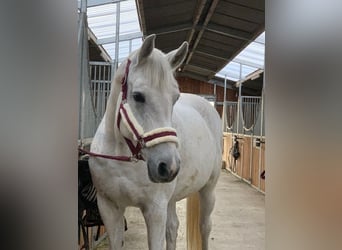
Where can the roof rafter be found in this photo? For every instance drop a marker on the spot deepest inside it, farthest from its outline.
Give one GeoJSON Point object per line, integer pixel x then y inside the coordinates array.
{"type": "Point", "coordinates": [122, 38]}
{"type": "Point", "coordinates": [93, 3]}
{"type": "Point", "coordinates": [206, 21]}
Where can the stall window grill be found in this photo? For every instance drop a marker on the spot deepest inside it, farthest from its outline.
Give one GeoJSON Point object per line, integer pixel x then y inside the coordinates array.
{"type": "Point", "coordinates": [100, 85]}
{"type": "Point", "coordinates": [231, 113]}
{"type": "Point", "coordinates": [250, 109]}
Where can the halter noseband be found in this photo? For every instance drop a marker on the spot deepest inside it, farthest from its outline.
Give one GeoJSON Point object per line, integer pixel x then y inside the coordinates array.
{"type": "Point", "coordinates": [141, 139]}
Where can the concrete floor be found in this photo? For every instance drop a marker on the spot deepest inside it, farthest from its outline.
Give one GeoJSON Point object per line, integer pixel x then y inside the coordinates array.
{"type": "Point", "coordinates": [238, 220]}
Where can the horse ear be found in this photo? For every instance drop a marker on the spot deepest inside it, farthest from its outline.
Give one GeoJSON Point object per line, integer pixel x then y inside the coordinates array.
{"type": "Point", "coordinates": [146, 47]}
{"type": "Point", "coordinates": [177, 56]}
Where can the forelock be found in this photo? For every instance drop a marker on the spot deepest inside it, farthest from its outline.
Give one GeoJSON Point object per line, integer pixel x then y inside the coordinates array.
{"type": "Point", "coordinates": [158, 69]}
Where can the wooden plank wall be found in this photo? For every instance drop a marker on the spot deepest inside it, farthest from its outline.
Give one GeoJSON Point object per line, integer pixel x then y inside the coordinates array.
{"type": "Point", "coordinates": [189, 85]}
{"type": "Point", "coordinates": [247, 166]}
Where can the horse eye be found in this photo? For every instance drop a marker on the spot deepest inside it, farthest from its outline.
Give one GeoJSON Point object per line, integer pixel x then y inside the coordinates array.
{"type": "Point", "coordinates": [138, 97]}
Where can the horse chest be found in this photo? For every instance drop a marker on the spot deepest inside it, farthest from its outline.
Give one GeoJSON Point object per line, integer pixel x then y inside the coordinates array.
{"type": "Point", "coordinates": [130, 186]}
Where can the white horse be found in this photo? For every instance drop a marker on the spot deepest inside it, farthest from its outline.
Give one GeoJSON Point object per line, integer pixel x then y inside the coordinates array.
{"type": "Point", "coordinates": [164, 146]}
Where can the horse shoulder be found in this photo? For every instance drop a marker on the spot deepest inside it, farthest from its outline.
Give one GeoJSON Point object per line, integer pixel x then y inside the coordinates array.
{"type": "Point", "coordinates": [199, 106]}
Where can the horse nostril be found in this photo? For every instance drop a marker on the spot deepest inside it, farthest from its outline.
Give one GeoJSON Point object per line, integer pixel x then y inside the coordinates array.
{"type": "Point", "coordinates": [163, 169]}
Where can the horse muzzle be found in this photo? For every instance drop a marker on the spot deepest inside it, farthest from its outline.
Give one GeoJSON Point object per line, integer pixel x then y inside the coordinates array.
{"type": "Point", "coordinates": [162, 165]}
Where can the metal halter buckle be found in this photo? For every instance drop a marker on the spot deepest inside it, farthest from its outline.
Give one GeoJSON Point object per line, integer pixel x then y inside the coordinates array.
{"type": "Point", "coordinates": [142, 143]}
{"type": "Point", "coordinates": [134, 159]}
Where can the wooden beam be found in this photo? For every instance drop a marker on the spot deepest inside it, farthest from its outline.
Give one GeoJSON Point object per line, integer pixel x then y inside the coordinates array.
{"type": "Point", "coordinates": [193, 76]}
{"type": "Point", "coordinates": [212, 55]}
{"type": "Point", "coordinates": [171, 29]}
{"type": "Point", "coordinates": [190, 67]}
{"type": "Point", "coordinates": [141, 14]}
{"type": "Point", "coordinates": [198, 14]}
{"type": "Point", "coordinates": [206, 21]}
{"type": "Point", "coordinates": [230, 32]}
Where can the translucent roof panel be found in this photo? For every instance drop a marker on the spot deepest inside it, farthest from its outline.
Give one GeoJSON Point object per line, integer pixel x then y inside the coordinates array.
{"type": "Point", "coordinates": [102, 22]}
{"type": "Point", "coordinates": [246, 62]}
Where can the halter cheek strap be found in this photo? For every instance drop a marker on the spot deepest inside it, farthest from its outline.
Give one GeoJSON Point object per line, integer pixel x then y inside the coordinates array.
{"type": "Point", "coordinates": [141, 139]}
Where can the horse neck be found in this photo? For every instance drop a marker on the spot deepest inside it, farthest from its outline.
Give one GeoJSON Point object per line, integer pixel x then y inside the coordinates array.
{"type": "Point", "coordinates": [111, 130]}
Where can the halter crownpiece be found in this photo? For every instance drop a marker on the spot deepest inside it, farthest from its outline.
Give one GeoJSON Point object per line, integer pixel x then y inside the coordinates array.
{"type": "Point", "coordinates": [141, 139]}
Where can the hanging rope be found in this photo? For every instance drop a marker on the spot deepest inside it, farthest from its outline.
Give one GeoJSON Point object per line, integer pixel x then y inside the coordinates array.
{"type": "Point", "coordinates": [250, 110]}
{"type": "Point", "coordinates": [231, 112]}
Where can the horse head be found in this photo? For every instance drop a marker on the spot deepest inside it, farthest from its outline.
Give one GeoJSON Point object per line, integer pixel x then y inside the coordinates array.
{"type": "Point", "coordinates": [146, 108]}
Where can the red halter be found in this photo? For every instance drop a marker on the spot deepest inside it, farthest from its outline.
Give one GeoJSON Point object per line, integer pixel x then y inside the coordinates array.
{"type": "Point", "coordinates": [141, 139]}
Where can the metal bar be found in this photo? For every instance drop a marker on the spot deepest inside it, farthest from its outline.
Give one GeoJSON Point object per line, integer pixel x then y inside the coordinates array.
{"type": "Point", "coordinates": [239, 101]}
{"type": "Point", "coordinates": [101, 94]}
{"type": "Point", "coordinates": [93, 85]}
{"type": "Point", "coordinates": [82, 44]}
{"type": "Point", "coordinates": [98, 63]}
{"type": "Point", "coordinates": [108, 83]}
{"type": "Point", "coordinates": [93, 3]}
{"type": "Point", "coordinates": [112, 71]}
{"type": "Point", "coordinates": [242, 159]}
{"type": "Point", "coordinates": [251, 159]}
{"type": "Point", "coordinates": [122, 38]}
{"type": "Point", "coordinates": [117, 32]}
{"type": "Point", "coordinates": [104, 91]}
{"type": "Point", "coordinates": [261, 129]}
{"type": "Point", "coordinates": [238, 109]}
{"type": "Point", "coordinates": [95, 90]}
{"type": "Point", "coordinates": [251, 97]}
{"type": "Point", "coordinates": [224, 117]}
{"type": "Point", "coordinates": [83, 5]}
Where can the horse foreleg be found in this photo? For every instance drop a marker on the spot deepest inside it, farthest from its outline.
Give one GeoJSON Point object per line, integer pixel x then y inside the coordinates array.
{"type": "Point", "coordinates": [155, 218]}
{"type": "Point", "coordinates": [172, 224]}
{"type": "Point", "coordinates": [113, 220]}
{"type": "Point", "coordinates": [207, 202]}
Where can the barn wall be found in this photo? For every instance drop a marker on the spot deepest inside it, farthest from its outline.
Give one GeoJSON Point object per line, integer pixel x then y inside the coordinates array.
{"type": "Point", "coordinates": [247, 166]}
{"type": "Point", "coordinates": [189, 85]}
